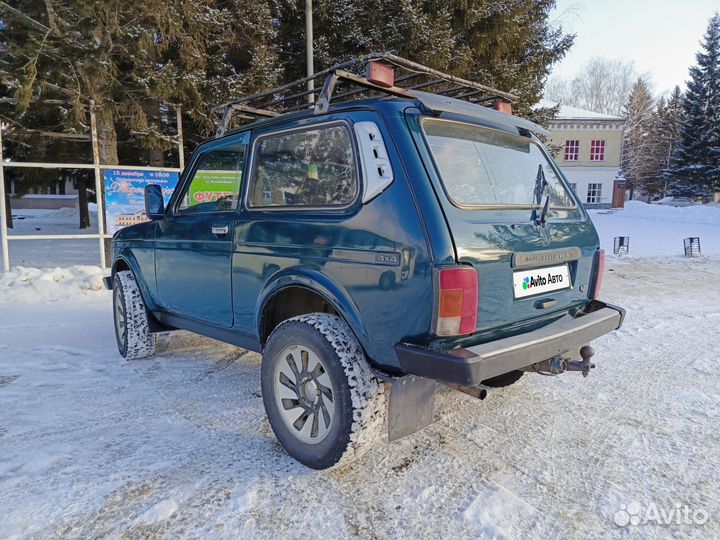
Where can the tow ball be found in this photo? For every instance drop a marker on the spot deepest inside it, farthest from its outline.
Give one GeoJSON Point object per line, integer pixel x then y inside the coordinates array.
{"type": "Point", "coordinates": [558, 365]}
{"type": "Point", "coordinates": [584, 365]}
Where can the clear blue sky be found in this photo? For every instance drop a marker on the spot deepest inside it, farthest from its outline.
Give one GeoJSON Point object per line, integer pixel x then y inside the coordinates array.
{"type": "Point", "coordinates": [660, 36]}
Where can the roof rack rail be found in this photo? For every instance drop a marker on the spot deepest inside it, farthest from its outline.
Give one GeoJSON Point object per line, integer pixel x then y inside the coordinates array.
{"type": "Point", "coordinates": [363, 76]}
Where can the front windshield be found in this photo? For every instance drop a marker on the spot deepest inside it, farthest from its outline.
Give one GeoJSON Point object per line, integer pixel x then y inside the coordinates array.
{"type": "Point", "coordinates": [485, 167]}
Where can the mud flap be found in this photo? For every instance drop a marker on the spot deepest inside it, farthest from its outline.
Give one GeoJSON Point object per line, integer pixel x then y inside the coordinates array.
{"type": "Point", "coordinates": [412, 405]}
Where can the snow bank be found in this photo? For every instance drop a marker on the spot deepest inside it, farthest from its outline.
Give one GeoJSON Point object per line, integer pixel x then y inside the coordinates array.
{"type": "Point", "coordinates": [699, 214]}
{"type": "Point", "coordinates": [68, 213]}
{"type": "Point", "coordinates": [27, 284]}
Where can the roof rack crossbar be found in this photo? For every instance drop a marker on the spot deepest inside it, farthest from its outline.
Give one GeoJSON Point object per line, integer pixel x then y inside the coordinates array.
{"type": "Point", "coordinates": [281, 100]}
{"type": "Point", "coordinates": [316, 90]}
{"type": "Point", "coordinates": [343, 97]}
{"type": "Point", "coordinates": [409, 64]}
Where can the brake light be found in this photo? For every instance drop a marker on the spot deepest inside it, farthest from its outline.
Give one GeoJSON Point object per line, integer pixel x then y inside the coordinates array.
{"type": "Point", "coordinates": [599, 271]}
{"type": "Point", "coordinates": [458, 302]}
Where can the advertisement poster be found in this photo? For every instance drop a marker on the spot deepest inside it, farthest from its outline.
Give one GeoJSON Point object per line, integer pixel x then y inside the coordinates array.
{"type": "Point", "coordinates": [125, 198]}
{"type": "Point", "coordinates": [211, 185]}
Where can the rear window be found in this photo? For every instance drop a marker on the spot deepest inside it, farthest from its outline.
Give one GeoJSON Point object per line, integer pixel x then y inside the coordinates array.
{"type": "Point", "coordinates": [485, 167]}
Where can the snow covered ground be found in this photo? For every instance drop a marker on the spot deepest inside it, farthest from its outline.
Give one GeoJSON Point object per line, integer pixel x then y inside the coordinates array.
{"type": "Point", "coordinates": [658, 231]}
{"type": "Point", "coordinates": [178, 446]}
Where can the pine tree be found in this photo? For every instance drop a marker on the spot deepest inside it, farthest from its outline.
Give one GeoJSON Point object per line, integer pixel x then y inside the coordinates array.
{"type": "Point", "coordinates": [133, 59]}
{"type": "Point", "coordinates": [665, 137]}
{"type": "Point", "coordinates": [695, 167]}
{"type": "Point", "coordinates": [663, 133]}
{"type": "Point", "coordinates": [636, 160]}
{"type": "Point", "coordinates": [507, 44]}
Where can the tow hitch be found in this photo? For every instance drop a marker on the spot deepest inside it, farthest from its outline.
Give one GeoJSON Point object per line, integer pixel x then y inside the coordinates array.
{"type": "Point", "coordinates": [558, 365]}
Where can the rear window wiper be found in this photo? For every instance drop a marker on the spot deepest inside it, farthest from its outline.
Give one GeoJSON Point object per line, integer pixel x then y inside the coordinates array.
{"type": "Point", "coordinates": [540, 186]}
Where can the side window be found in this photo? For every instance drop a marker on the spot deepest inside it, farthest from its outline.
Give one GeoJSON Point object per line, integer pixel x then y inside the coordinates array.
{"type": "Point", "coordinates": [314, 167]}
{"type": "Point", "coordinates": [215, 184]}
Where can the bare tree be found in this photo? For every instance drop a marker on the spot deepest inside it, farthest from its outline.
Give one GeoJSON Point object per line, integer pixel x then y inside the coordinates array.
{"type": "Point", "coordinates": [557, 90]}
{"type": "Point", "coordinates": [602, 85]}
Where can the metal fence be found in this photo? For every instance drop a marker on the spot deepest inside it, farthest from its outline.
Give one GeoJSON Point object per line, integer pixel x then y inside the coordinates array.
{"type": "Point", "coordinates": [101, 235]}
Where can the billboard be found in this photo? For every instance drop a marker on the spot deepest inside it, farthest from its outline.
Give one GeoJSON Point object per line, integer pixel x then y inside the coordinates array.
{"type": "Point", "coordinates": [124, 194]}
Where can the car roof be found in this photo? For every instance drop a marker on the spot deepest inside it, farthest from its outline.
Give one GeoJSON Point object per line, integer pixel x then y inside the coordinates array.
{"type": "Point", "coordinates": [432, 104]}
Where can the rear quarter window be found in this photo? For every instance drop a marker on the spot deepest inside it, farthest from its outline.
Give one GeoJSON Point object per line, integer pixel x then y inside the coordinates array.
{"type": "Point", "coordinates": [313, 167]}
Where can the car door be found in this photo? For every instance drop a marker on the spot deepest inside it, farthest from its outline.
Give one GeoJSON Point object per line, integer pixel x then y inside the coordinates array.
{"type": "Point", "coordinates": [193, 243]}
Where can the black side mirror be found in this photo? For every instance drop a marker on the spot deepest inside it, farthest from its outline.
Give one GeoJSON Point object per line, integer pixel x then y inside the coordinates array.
{"type": "Point", "coordinates": [154, 202]}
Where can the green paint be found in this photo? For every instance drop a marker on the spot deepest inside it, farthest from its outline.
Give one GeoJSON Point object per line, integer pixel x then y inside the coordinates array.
{"type": "Point", "coordinates": [209, 186]}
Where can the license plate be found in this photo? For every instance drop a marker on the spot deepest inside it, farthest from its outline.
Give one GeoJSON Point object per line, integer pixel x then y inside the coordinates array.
{"type": "Point", "coordinates": [541, 280]}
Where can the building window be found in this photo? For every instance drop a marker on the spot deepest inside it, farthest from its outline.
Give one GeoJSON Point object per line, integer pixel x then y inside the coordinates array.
{"type": "Point", "coordinates": [572, 150]}
{"type": "Point", "coordinates": [573, 186]}
{"type": "Point", "coordinates": [594, 193]}
{"type": "Point", "coordinates": [597, 151]}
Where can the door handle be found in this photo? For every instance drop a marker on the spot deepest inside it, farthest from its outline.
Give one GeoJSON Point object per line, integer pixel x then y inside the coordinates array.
{"type": "Point", "coordinates": [220, 230]}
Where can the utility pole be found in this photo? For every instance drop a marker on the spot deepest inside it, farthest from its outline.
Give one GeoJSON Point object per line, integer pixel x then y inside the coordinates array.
{"type": "Point", "coordinates": [309, 48]}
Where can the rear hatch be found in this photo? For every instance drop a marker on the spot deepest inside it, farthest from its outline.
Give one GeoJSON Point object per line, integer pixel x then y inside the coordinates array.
{"type": "Point", "coordinates": [515, 220]}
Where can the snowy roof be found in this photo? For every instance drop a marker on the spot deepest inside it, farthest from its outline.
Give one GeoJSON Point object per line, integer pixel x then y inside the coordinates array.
{"type": "Point", "coordinates": [573, 113]}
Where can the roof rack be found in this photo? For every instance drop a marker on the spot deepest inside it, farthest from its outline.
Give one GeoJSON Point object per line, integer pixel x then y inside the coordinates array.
{"type": "Point", "coordinates": [364, 76]}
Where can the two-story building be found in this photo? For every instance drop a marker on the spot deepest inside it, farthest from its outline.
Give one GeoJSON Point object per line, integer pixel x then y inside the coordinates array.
{"type": "Point", "coordinates": [590, 152]}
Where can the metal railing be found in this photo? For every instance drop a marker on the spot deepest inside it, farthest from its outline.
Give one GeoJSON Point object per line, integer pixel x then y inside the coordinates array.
{"type": "Point", "coordinates": [97, 167]}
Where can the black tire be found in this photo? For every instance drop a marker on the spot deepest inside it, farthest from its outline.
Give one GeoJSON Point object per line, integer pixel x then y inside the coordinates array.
{"type": "Point", "coordinates": [349, 402]}
{"type": "Point", "coordinates": [130, 317]}
{"type": "Point", "coordinates": [506, 379]}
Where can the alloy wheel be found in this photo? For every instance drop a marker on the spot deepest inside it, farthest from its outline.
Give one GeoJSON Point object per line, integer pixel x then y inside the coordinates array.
{"type": "Point", "coordinates": [304, 394]}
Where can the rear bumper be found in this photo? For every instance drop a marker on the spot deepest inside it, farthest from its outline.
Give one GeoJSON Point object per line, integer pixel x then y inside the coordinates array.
{"type": "Point", "coordinates": [471, 366]}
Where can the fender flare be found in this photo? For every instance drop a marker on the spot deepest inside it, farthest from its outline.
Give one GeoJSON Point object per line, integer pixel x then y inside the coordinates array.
{"type": "Point", "coordinates": [126, 255]}
{"type": "Point", "coordinates": [321, 284]}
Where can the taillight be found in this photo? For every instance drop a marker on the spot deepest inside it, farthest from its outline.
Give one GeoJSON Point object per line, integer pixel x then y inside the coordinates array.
{"type": "Point", "coordinates": [599, 271]}
{"type": "Point", "coordinates": [458, 302]}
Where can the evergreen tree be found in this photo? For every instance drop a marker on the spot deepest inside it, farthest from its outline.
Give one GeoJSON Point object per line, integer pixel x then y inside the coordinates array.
{"type": "Point", "coordinates": [695, 167]}
{"type": "Point", "coordinates": [508, 44]}
{"type": "Point", "coordinates": [664, 140]}
{"type": "Point", "coordinates": [636, 162]}
{"type": "Point", "coordinates": [133, 59]}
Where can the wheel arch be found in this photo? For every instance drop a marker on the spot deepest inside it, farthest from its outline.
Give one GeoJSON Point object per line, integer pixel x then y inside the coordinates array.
{"type": "Point", "coordinates": [307, 289]}
{"type": "Point", "coordinates": [125, 260]}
